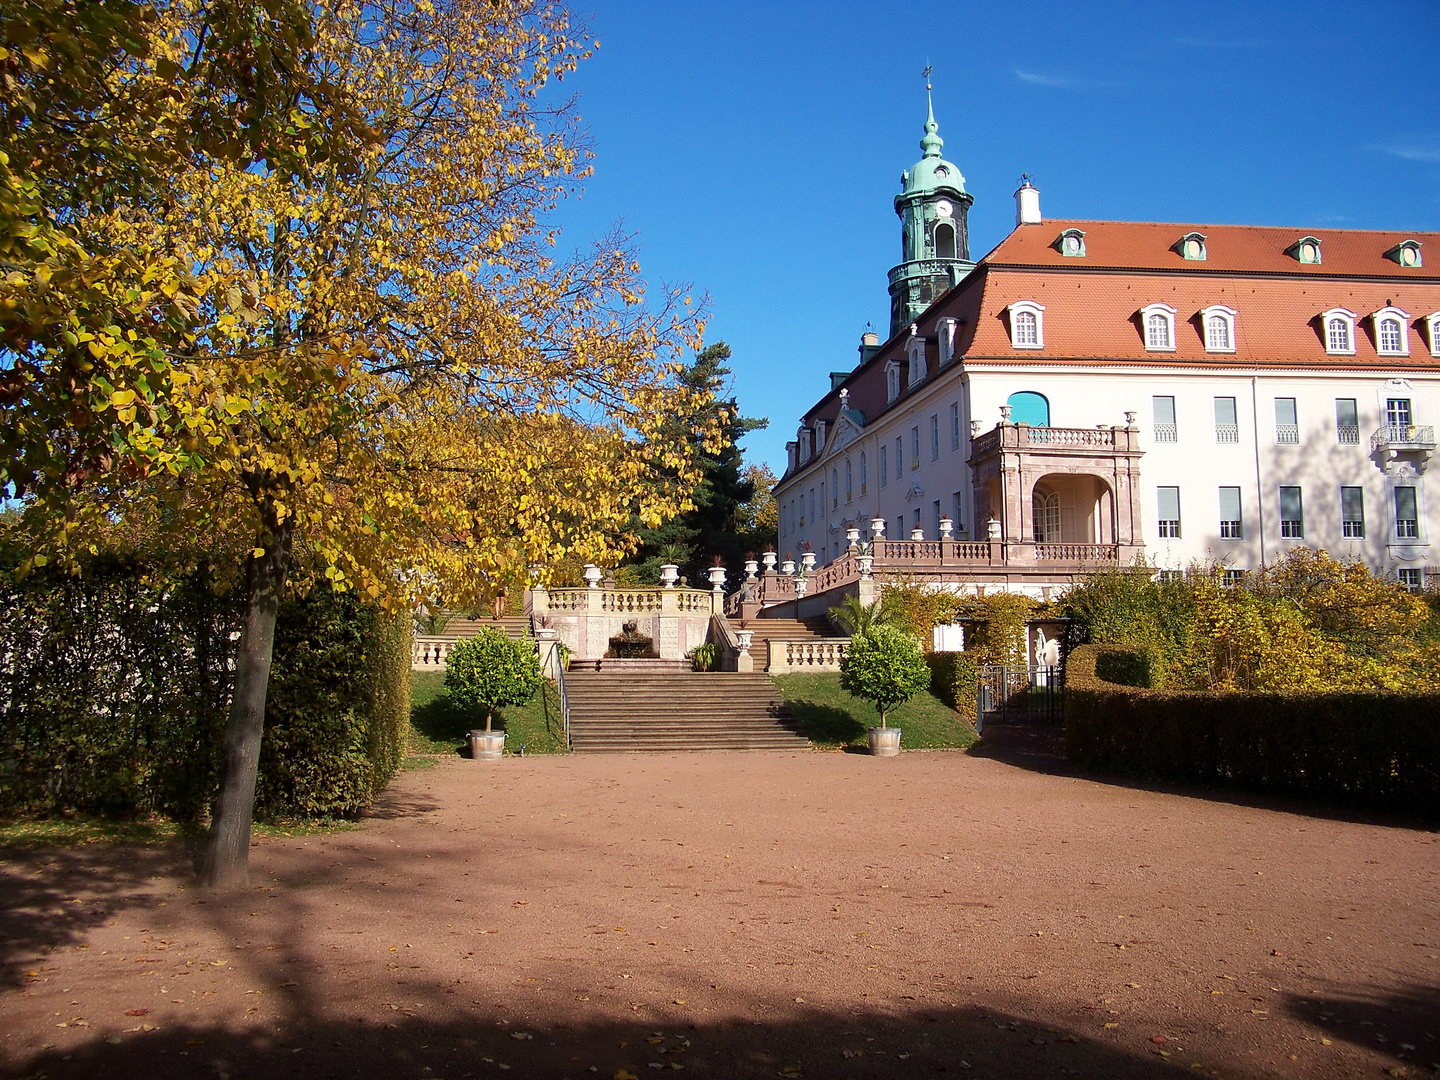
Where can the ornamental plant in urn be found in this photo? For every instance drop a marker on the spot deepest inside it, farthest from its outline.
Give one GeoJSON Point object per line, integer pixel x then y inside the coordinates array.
{"type": "Point", "coordinates": [487, 672]}
{"type": "Point", "coordinates": [884, 666]}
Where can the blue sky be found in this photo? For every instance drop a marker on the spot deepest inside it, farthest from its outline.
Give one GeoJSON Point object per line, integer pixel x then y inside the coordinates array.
{"type": "Point", "coordinates": [755, 148]}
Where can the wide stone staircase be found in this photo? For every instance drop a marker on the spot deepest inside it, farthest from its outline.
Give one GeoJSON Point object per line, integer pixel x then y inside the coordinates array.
{"type": "Point", "coordinates": [675, 711]}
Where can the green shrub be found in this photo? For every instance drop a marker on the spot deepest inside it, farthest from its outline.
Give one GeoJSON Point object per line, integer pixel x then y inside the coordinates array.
{"type": "Point", "coordinates": [114, 689]}
{"type": "Point", "coordinates": [884, 666]}
{"type": "Point", "coordinates": [955, 680]}
{"type": "Point", "coordinates": [704, 657]}
{"type": "Point", "coordinates": [1140, 667]}
{"type": "Point", "coordinates": [489, 671]}
{"type": "Point", "coordinates": [1373, 747]}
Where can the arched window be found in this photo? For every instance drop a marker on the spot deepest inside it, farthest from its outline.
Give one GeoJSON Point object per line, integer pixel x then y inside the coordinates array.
{"type": "Point", "coordinates": [834, 491]}
{"type": "Point", "coordinates": [1217, 333]}
{"type": "Point", "coordinates": [1028, 407]}
{"type": "Point", "coordinates": [1046, 506]}
{"type": "Point", "coordinates": [1391, 336]}
{"type": "Point", "coordinates": [863, 472]}
{"type": "Point", "coordinates": [1338, 335]}
{"type": "Point", "coordinates": [945, 241]}
{"type": "Point", "coordinates": [1025, 328]}
{"type": "Point", "coordinates": [1157, 335]}
{"type": "Point", "coordinates": [849, 481]}
{"type": "Point", "coordinates": [892, 381]}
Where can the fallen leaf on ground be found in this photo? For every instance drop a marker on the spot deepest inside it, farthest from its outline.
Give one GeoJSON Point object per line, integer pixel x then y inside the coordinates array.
{"type": "Point", "coordinates": [137, 1012]}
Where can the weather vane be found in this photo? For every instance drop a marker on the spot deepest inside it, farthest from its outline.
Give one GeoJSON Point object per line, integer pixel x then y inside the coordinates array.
{"type": "Point", "coordinates": [926, 74]}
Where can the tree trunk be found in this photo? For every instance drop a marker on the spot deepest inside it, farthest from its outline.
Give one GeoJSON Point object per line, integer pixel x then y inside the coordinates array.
{"type": "Point", "coordinates": [227, 858]}
{"type": "Point", "coordinates": [487, 721]}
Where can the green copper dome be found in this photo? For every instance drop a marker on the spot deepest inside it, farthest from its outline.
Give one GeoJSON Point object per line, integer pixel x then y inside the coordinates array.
{"type": "Point", "coordinates": [932, 173]}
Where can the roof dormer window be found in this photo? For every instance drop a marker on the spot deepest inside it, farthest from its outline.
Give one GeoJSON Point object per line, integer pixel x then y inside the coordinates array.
{"type": "Point", "coordinates": [1338, 326]}
{"type": "Point", "coordinates": [1406, 253]}
{"type": "Point", "coordinates": [1218, 325]}
{"type": "Point", "coordinates": [1432, 331]}
{"type": "Point", "coordinates": [819, 436]}
{"type": "Point", "coordinates": [1392, 332]}
{"type": "Point", "coordinates": [1071, 243]}
{"type": "Point", "coordinates": [892, 380]}
{"type": "Point", "coordinates": [1027, 325]}
{"type": "Point", "coordinates": [1191, 246]}
{"type": "Point", "coordinates": [1158, 322]}
{"type": "Point", "coordinates": [945, 330]}
{"type": "Point", "coordinates": [1306, 250]}
{"type": "Point", "coordinates": [806, 446]}
{"type": "Point", "coordinates": [918, 367]}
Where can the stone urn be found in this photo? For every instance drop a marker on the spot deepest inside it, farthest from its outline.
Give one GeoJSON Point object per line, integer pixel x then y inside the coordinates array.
{"type": "Point", "coordinates": [877, 528]}
{"type": "Point", "coordinates": [852, 539]}
{"type": "Point", "coordinates": [917, 533]}
{"type": "Point", "coordinates": [752, 568]}
{"type": "Point", "coordinates": [593, 574]}
{"type": "Point", "coordinates": [669, 574]}
{"type": "Point", "coordinates": [717, 578]}
{"type": "Point", "coordinates": [866, 562]}
{"type": "Point", "coordinates": [802, 585]}
{"type": "Point", "coordinates": [807, 561]}
{"type": "Point", "coordinates": [487, 745]}
{"type": "Point", "coordinates": [769, 560]}
{"type": "Point", "coordinates": [885, 741]}
{"type": "Point", "coordinates": [787, 567]}
{"type": "Point", "coordinates": [947, 529]}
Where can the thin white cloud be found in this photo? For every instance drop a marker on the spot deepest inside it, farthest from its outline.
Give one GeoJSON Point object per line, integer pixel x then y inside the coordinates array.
{"type": "Point", "coordinates": [1410, 152]}
{"type": "Point", "coordinates": [1043, 80]}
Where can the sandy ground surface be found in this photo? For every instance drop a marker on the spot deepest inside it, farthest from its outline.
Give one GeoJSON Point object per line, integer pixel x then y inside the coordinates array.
{"type": "Point", "coordinates": [771, 914]}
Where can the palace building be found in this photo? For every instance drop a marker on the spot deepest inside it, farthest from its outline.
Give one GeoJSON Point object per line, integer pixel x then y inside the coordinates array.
{"type": "Point", "coordinates": [1090, 392]}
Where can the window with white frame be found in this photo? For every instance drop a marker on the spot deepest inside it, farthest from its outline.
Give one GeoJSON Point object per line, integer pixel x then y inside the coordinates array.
{"type": "Point", "coordinates": [1234, 576]}
{"type": "Point", "coordinates": [954, 425]}
{"type": "Point", "coordinates": [1411, 578]}
{"type": "Point", "coordinates": [1392, 336]}
{"type": "Point", "coordinates": [935, 437]}
{"type": "Point", "coordinates": [915, 447]}
{"type": "Point", "coordinates": [892, 380]}
{"type": "Point", "coordinates": [945, 330]}
{"type": "Point", "coordinates": [1287, 424]}
{"type": "Point", "coordinates": [1352, 513]}
{"type": "Point", "coordinates": [1407, 516]}
{"type": "Point", "coordinates": [1027, 325]}
{"type": "Point", "coordinates": [1347, 422]}
{"type": "Point", "coordinates": [1432, 331]}
{"type": "Point", "coordinates": [1227, 425]}
{"type": "Point", "coordinates": [1232, 522]}
{"type": "Point", "coordinates": [834, 491]}
{"type": "Point", "coordinates": [1292, 514]}
{"type": "Point", "coordinates": [884, 465]}
{"type": "Point", "coordinates": [863, 472]}
{"type": "Point", "coordinates": [1219, 324]}
{"type": "Point", "coordinates": [1165, 429]}
{"type": "Point", "coordinates": [1167, 500]}
{"type": "Point", "coordinates": [1339, 327]}
{"type": "Point", "coordinates": [820, 426]}
{"type": "Point", "coordinates": [1158, 321]}
{"type": "Point", "coordinates": [917, 362]}
{"type": "Point", "coordinates": [849, 482]}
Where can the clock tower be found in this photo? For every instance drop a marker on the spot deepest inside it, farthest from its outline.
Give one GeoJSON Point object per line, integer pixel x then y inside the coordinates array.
{"type": "Point", "coordinates": [934, 232]}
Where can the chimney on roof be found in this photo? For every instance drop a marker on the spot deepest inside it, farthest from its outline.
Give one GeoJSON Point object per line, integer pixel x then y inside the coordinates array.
{"type": "Point", "coordinates": [1027, 203]}
{"type": "Point", "coordinates": [869, 345]}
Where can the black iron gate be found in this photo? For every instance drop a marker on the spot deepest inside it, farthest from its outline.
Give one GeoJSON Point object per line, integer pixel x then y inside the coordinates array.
{"type": "Point", "coordinates": [1009, 694]}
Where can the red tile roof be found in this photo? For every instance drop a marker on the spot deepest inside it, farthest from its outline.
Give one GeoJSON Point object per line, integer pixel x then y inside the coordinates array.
{"type": "Point", "coordinates": [1257, 249]}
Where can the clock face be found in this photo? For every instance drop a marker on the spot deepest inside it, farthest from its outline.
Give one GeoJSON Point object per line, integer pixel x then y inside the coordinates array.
{"type": "Point", "coordinates": [943, 207]}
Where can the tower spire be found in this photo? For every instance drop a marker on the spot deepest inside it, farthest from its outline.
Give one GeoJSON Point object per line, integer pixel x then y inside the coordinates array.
{"type": "Point", "coordinates": [931, 144]}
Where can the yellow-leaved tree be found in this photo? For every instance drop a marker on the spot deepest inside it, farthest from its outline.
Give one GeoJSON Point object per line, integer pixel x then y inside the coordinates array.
{"type": "Point", "coordinates": [386, 362]}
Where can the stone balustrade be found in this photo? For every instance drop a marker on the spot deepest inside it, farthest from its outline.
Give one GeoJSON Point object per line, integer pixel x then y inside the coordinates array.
{"type": "Point", "coordinates": [814, 654]}
{"type": "Point", "coordinates": [430, 653]}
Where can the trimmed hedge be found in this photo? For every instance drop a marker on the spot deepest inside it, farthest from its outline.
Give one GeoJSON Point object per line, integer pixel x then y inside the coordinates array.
{"type": "Point", "coordinates": [955, 680]}
{"type": "Point", "coordinates": [1375, 748]}
{"type": "Point", "coordinates": [114, 692]}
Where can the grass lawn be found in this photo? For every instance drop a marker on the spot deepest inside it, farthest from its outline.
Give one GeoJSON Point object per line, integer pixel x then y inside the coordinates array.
{"type": "Point", "coordinates": [829, 717]}
{"type": "Point", "coordinates": [438, 726]}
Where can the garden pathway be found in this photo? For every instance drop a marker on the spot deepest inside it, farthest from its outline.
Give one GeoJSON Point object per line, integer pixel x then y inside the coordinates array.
{"type": "Point", "coordinates": [790, 914]}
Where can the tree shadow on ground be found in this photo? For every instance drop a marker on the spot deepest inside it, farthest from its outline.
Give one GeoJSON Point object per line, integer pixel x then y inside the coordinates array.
{"type": "Point", "coordinates": [1040, 747]}
{"type": "Point", "coordinates": [825, 724]}
{"type": "Point", "coordinates": [968, 1041]}
{"type": "Point", "coordinates": [441, 720]}
{"type": "Point", "coordinates": [1399, 1023]}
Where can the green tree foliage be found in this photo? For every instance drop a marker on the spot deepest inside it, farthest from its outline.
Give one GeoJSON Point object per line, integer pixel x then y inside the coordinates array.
{"type": "Point", "coordinates": [858, 618]}
{"type": "Point", "coordinates": [884, 666]}
{"type": "Point", "coordinates": [1308, 623]}
{"type": "Point", "coordinates": [490, 670]}
{"type": "Point", "coordinates": [721, 520]}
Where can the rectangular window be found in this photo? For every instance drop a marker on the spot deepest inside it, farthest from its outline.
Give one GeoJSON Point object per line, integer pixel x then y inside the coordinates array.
{"type": "Point", "coordinates": [1412, 579]}
{"type": "Point", "coordinates": [1397, 418]}
{"type": "Point", "coordinates": [1227, 428]}
{"type": "Point", "coordinates": [954, 425]}
{"type": "Point", "coordinates": [957, 510]}
{"type": "Point", "coordinates": [1292, 514]}
{"type": "Point", "coordinates": [1407, 521]}
{"type": "Point", "coordinates": [1234, 577]}
{"type": "Point", "coordinates": [915, 447]}
{"type": "Point", "coordinates": [900, 528]}
{"type": "Point", "coordinates": [1172, 575]}
{"type": "Point", "coordinates": [915, 519]}
{"type": "Point", "coordinates": [822, 496]}
{"type": "Point", "coordinates": [935, 519]}
{"type": "Point", "coordinates": [1168, 502]}
{"type": "Point", "coordinates": [884, 465]}
{"type": "Point", "coordinates": [864, 473]}
{"type": "Point", "coordinates": [1232, 524]}
{"type": "Point", "coordinates": [1165, 430]}
{"type": "Point", "coordinates": [935, 437]}
{"type": "Point", "coordinates": [1352, 513]}
{"type": "Point", "coordinates": [849, 481]}
{"type": "Point", "coordinates": [1347, 422]}
{"type": "Point", "coordinates": [812, 505]}
{"type": "Point", "coordinates": [1287, 427]}
{"type": "Point", "coordinates": [899, 463]}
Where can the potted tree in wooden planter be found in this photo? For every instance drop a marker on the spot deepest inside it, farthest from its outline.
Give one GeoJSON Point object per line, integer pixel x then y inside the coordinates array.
{"type": "Point", "coordinates": [487, 672]}
{"type": "Point", "coordinates": [885, 666]}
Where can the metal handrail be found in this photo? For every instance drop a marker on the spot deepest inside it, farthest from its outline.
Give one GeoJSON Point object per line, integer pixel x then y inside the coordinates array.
{"type": "Point", "coordinates": [564, 699]}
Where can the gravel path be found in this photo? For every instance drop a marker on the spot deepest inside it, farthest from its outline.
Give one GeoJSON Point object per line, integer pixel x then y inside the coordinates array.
{"type": "Point", "coordinates": [770, 914]}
